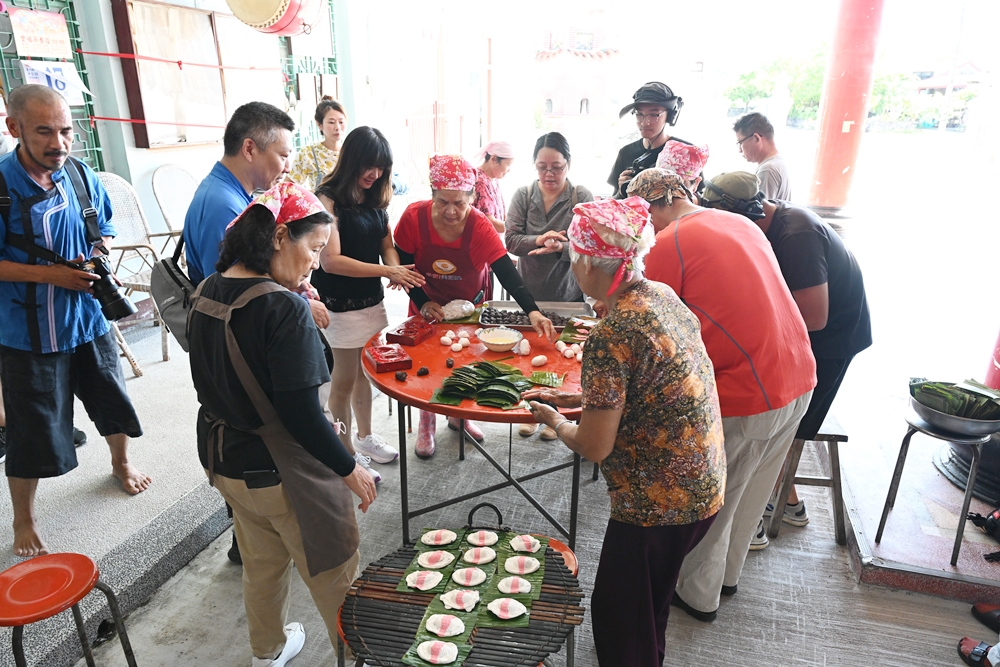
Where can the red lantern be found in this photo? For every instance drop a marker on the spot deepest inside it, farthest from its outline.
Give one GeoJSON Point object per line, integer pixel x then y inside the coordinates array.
{"type": "Point", "coordinates": [278, 17]}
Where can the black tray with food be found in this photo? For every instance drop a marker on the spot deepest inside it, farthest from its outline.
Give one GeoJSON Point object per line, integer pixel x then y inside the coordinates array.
{"type": "Point", "coordinates": [508, 313]}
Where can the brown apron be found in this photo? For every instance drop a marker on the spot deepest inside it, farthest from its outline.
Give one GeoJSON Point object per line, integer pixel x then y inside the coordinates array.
{"type": "Point", "coordinates": [321, 500]}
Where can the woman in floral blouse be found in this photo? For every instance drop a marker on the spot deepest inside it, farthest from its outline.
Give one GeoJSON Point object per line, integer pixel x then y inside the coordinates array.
{"type": "Point", "coordinates": [317, 160]}
{"type": "Point", "coordinates": [651, 418]}
{"type": "Point", "coordinates": [496, 159]}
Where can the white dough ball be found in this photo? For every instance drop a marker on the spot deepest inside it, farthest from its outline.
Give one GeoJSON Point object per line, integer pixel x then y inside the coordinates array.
{"type": "Point", "coordinates": [450, 334]}
{"type": "Point", "coordinates": [456, 347]}
{"type": "Point", "coordinates": [446, 340]}
{"type": "Point", "coordinates": [576, 347]}
{"type": "Point", "coordinates": [579, 356]}
{"type": "Point", "coordinates": [560, 345]}
{"type": "Point", "coordinates": [539, 360]}
{"type": "Point", "coordinates": [464, 342]}
{"type": "Point", "coordinates": [569, 353]}
{"type": "Point", "coordinates": [524, 347]}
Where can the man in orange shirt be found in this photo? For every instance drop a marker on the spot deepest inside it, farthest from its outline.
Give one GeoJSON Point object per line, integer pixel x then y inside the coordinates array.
{"type": "Point", "coordinates": [722, 267]}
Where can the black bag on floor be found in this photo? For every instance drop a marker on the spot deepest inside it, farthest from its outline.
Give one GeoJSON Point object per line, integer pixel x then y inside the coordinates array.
{"type": "Point", "coordinates": [172, 289]}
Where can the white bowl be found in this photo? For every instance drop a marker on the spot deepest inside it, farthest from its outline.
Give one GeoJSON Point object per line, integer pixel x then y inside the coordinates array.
{"type": "Point", "coordinates": [500, 339]}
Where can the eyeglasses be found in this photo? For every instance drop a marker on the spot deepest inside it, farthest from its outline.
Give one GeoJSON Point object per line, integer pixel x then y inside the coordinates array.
{"type": "Point", "coordinates": [555, 171]}
{"type": "Point", "coordinates": [739, 144]}
{"type": "Point", "coordinates": [642, 118]}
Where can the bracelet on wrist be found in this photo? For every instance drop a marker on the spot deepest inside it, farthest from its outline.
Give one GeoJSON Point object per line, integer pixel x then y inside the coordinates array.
{"type": "Point", "coordinates": [556, 427]}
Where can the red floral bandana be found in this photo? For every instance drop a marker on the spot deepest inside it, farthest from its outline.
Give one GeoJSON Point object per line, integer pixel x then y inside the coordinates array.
{"type": "Point", "coordinates": [452, 172]}
{"type": "Point", "coordinates": [287, 202]}
{"type": "Point", "coordinates": [625, 216]}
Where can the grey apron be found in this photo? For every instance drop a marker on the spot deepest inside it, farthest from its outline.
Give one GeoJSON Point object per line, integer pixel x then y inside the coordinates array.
{"type": "Point", "coordinates": [321, 500]}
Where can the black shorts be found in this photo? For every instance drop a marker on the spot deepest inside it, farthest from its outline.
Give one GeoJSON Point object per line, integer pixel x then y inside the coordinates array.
{"type": "Point", "coordinates": [38, 392]}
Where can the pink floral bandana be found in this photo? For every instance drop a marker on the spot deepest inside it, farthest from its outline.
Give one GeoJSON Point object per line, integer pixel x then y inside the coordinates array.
{"type": "Point", "coordinates": [287, 202]}
{"type": "Point", "coordinates": [625, 216]}
{"type": "Point", "coordinates": [452, 172]}
{"type": "Point", "coordinates": [687, 160]}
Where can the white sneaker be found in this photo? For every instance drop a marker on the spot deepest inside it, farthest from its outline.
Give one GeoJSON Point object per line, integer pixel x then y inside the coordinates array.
{"type": "Point", "coordinates": [366, 463]}
{"type": "Point", "coordinates": [296, 639]}
{"type": "Point", "coordinates": [759, 540]}
{"type": "Point", "coordinates": [375, 447]}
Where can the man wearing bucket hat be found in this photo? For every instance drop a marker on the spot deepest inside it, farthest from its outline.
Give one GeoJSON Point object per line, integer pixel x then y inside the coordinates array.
{"type": "Point", "coordinates": [724, 271]}
{"type": "Point", "coordinates": [827, 286]}
{"type": "Point", "coordinates": [654, 106]}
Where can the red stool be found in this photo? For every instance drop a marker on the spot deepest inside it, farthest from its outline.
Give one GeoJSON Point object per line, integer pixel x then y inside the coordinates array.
{"type": "Point", "coordinates": [44, 586]}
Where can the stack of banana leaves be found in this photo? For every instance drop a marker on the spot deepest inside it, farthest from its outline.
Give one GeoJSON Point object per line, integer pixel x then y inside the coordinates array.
{"type": "Point", "coordinates": [491, 383]}
{"type": "Point", "coordinates": [968, 399]}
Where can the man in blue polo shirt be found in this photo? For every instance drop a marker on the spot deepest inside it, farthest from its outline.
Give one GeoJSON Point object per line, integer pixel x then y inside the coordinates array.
{"type": "Point", "coordinates": [55, 342]}
{"type": "Point", "coordinates": [257, 147]}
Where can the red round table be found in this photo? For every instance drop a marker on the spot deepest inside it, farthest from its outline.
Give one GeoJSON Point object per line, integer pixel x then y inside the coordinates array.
{"type": "Point", "coordinates": [416, 391]}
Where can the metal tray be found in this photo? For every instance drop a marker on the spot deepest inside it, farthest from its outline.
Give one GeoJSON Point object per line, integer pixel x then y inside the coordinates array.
{"type": "Point", "coordinates": [953, 424]}
{"type": "Point", "coordinates": [564, 308]}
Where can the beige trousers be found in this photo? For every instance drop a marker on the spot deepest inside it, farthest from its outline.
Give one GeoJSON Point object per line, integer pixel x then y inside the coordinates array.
{"type": "Point", "coordinates": [269, 539]}
{"type": "Point", "coordinates": [755, 451]}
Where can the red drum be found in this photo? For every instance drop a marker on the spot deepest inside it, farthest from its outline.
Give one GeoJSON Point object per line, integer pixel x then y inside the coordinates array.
{"type": "Point", "coordinates": [277, 17]}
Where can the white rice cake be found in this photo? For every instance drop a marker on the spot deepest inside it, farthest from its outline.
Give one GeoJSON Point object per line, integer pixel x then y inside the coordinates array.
{"type": "Point", "coordinates": [521, 565]}
{"type": "Point", "coordinates": [525, 543]}
{"type": "Point", "coordinates": [480, 555]}
{"type": "Point", "coordinates": [468, 576]}
{"type": "Point", "coordinates": [483, 538]}
{"type": "Point", "coordinates": [514, 585]}
{"type": "Point", "coordinates": [435, 560]}
{"type": "Point", "coordinates": [423, 580]}
{"type": "Point", "coordinates": [438, 652]}
{"type": "Point", "coordinates": [506, 608]}
{"type": "Point", "coordinates": [459, 599]}
{"type": "Point", "coordinates": [436, 538]}
{"type": "Point", "coordinates": [445, 625]}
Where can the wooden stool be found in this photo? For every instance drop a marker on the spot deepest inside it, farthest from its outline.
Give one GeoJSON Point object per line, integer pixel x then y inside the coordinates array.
{"type": "Point", "coordinates": [832, 434]}
{"type": "Point", "coordinates": [44, 586]}
{"type": "Point", "coordinates": [976, 442]}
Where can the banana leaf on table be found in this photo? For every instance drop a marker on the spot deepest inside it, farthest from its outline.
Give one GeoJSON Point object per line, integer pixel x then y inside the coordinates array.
{"type": "Point", "coordinates": [969, 399]}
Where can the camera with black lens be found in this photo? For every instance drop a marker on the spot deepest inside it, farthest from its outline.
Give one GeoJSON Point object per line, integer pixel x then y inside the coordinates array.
{"type": "Point", "coordinates": [114, 304]}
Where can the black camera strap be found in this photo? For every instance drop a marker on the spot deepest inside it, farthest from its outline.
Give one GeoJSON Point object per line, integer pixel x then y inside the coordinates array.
{"type": "Point", "coordinates": [25, 241]}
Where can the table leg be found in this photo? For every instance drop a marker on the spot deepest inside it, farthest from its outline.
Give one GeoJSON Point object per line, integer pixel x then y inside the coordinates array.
{"type": "Point", "coordinates": [890, 499]}
{"type": "Point", "coordinates": [461, 439]}
{"type": "Point", "coordinates": [969, 486]}
{"type": "Point", "coordinates": [839, 524]}
{"type": "Point", "coordinates": [404, 499]}
{"type": "Point", "coordinates": [574, 502]}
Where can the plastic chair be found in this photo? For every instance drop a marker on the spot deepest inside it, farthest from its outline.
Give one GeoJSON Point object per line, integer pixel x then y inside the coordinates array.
{"type": "Point", "coordinates": [174, 189]}
{"type": "Point", "coordinates": [135, 254]}
{"type": "Point", "coordinates": [47, 585]}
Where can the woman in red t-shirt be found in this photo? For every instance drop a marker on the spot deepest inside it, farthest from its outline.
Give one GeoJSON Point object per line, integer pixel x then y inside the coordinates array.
{"type": "Point", "coordinates": [454, 246]}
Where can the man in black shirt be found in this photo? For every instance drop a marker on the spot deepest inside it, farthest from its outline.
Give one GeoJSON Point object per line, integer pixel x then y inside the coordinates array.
{"type": "Point", "coordinates": [654, 106]}
{"type": "Point", "coordinates": [826, 283]}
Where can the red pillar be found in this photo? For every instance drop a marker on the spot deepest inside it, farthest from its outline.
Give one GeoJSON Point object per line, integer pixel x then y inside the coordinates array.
{"type": "Point", "coordinates": [844, 103]}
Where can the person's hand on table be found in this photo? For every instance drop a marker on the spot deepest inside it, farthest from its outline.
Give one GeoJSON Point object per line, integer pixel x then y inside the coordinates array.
{"type": "Point", "coordinates": [542, 325]}
{"type": "Point", "coordinates": [432, 311]}
{"type": "Point", "coordinates": [549, 242]}
{"type": "Point", "coordinates": [404, 277]}
{"type": "Point", "coordinates": [563, 399]}
{"type": "Point", "coordinates": [321, 316]}
{"type": "Point", "coordinates": [543, 414]}
{"type": "Point", "coordinates": [363, 486]}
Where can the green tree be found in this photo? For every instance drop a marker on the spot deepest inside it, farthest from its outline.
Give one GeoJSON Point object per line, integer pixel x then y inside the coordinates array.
{"type": "Point", "coordinates": [751, 86]}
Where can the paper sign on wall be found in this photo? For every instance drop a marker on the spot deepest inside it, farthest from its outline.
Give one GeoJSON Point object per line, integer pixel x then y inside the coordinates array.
{"type": "Point", "coordinates": [61, 77]}
{"type": "Point", "coordinates": [40, 34]}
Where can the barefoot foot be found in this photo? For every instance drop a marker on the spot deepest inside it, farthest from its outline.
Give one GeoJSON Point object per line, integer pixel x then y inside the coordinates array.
{"type": "Point", "coordinates": [133, 481]}
{"type": "Point", "coordinates": [27, 542]}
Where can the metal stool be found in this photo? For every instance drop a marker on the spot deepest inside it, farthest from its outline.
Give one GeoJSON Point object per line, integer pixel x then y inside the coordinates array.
{"type": "Point", "coordinates": [832, 434]}
{"type": "Point", "coordinates": [44, 586]}
{"type": "Point", "coordinates": [976, 442]}
{"type": "Point", "coordinates": [573, 565]}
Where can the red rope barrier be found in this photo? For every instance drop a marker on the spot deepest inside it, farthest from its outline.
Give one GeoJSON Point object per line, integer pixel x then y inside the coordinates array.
{"type": "Point", "coordinates": [151, 122]}
{"type": "Point", "coordinates": [180, 63]}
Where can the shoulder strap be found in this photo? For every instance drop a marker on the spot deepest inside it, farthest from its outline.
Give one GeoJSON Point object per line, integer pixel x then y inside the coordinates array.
{"type": "Point", "coordinates": [5, 201]}
{"type": "Point", "coordinates": [223, 312]}
{"type": "Point", "coordinates": [75, 172]}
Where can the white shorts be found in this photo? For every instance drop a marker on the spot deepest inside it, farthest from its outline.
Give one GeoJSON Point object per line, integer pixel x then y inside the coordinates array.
{"type": "Point", "coordinates": [352, 329]}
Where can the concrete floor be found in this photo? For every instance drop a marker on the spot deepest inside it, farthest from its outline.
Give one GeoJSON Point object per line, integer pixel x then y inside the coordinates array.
{"type": "Point", "coordinates": [928, 257]}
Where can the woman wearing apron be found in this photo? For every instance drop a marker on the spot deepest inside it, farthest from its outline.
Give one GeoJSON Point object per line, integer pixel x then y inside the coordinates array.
{"type": "Point", "coordinates": [454, 247]}
{"type": "Point", "coordinates": [260, 364]}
